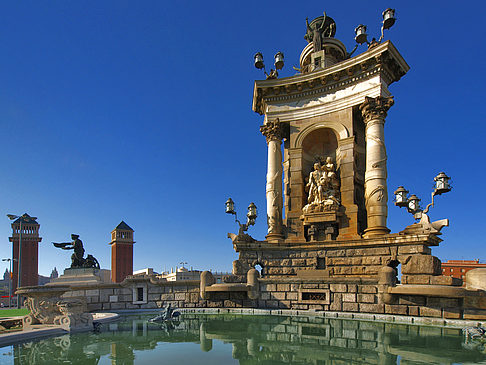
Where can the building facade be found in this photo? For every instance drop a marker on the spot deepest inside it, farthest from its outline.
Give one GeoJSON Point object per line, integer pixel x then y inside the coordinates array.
{"type": "Point", "coordinates": [459, 268]}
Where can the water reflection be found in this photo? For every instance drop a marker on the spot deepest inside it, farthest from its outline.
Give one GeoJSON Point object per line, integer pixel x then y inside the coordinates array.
{"type": "Point", "coordinates": [253, 340]}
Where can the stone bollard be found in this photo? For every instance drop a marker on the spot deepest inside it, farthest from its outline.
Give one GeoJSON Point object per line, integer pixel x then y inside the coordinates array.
{"type": "Point", "coordinates": [207, 279]}
{"type": "Point", "coordinates": [476, 279]}
{"type": "Point", "coordinates": [386, 278]}
{"type": "Point", "coordinates": [253, 284]}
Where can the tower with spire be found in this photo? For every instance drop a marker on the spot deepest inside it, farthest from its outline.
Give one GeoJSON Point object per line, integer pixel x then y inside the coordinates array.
{"type": "Point", "coordinates": [121, 252]}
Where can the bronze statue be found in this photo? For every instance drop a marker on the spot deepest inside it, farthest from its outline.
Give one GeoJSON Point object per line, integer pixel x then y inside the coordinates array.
{"type": "Point", "coordinates": [319, 28]}
{"type": "Point", "coordinates": [77, 259]}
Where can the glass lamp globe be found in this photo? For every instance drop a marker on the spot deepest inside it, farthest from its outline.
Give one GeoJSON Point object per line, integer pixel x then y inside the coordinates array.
{"type": "Point", "coordinates": [230, 206]}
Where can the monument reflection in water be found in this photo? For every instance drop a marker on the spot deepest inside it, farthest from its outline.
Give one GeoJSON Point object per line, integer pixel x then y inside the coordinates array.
{"type": "Point", "coordinates": [237, 339]}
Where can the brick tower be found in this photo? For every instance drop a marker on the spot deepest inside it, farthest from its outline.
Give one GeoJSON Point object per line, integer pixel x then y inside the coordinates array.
{"type": "Point", "coordinates": [121, 252]}
{"type": "Point", "coordinates": [26, 230]}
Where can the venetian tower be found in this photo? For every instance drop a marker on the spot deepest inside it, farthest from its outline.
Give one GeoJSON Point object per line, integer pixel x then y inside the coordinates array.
{"type": "Point", "coordinates": [326, 184]}
{"type": "Point", "coordinates": [25, 229]}
{"type": "Point", "coordinates": [121, 252]}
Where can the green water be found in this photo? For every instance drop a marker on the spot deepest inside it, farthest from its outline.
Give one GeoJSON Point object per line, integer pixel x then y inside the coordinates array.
{"type": "Point", "coordinates": [237, 339]}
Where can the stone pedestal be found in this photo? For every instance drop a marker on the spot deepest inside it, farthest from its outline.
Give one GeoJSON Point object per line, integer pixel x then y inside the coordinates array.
{"type": "Point", "coordinates": [79, 277]}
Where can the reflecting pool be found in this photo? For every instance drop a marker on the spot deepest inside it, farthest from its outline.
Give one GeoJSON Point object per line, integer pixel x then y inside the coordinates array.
{"type": "Point", "coordinates": [243, 339]}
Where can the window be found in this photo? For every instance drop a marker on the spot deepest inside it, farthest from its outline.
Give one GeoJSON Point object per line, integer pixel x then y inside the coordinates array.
{"type": "Point", "coordinates": [139, 294]}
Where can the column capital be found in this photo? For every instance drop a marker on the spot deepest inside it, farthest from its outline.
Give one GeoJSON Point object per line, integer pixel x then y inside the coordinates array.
{"type": "Point", "coordinates": [375, 108]}
{"type": "Point", "coordinates": [272, 130]}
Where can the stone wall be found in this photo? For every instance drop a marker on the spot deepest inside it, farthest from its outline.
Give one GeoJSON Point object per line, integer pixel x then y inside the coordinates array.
{"type": "Point", "coordinates": [352, 295]}
{"type": "Point", "coordinates": [360, 259]}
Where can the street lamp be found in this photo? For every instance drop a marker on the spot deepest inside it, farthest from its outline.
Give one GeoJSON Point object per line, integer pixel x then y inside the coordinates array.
{"type": "Point", "coordinates": [412, 203]}
{"type": "Point", "coordinates": [279, 64]}
{"type": "Point", "coordinates": [360, 31]}
{"type": "Point", "coordinates": [9, 281]}
{"type": "Point", "coordinates": [251, 215]}
{"type": "Point", "coordinates": [21, 218]}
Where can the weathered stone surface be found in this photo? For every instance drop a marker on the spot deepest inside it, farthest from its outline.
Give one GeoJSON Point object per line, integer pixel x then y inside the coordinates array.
{"type": "Point", "coordinates": [371, 308]}
{"type": "Point", "coordinates": [338, 288]}
{"type": "Point", "coordinates": [416, 279]}
{"type": "Point", "coordinates": [368, 289]}
{"type": "Point", "coordinates": [430, 312]}
{"type": "Point", "coordinates": [422, 264]}
{"type": "Point", "coordinates": [366, 298]}
{"type": "Point", "coordinates": [443, 302]}
{"type": "Point", "coordinates": [477, 314]}
{"type": "Point", "coordinates": [475, 302]}
{"type": "Point", "coordinates": [412, 300]}
{"type": "Point", "coordinates": [349, 297]}
{"type": "Point", "coordinates": [396, 309]}
{"type": "Point", "coordinates": [350, 307]}
{"type": "Point", "coordinates": [476, 279]}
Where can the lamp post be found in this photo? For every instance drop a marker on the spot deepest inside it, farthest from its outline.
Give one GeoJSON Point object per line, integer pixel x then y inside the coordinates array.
{"type": "Point", "coordinates": [20, 218]}
{"type": "Point", "coordinates": [279, 64]}
{"type": "Point", "coordinates": [251, 215]}
{"type": "Point", "coordinates": [360, 31]}
{"type": "Point", "coordinates": [9, 281]}
{"type": "Point", "coordinates": [412, 203]}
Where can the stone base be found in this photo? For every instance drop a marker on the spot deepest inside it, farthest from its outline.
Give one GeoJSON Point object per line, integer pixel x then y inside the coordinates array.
{"type": "Point", "coordinates": [375, 231]}
{"type": "Point", "coordinates": [78, 277]}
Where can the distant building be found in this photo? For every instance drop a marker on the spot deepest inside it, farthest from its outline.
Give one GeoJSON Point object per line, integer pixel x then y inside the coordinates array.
{"type": "Point", "coordinates": [459, 268]}
{"type": "Point", "coordinates": [27, 228]}
{"type": "Point", "coordinates": [147, 271]}
{"type": "Point", "coordinates": [121, 252]}
{"type": "Point", "coordinates": [54, 273]}
{"type": "Point", "coordinates": [182, 273]}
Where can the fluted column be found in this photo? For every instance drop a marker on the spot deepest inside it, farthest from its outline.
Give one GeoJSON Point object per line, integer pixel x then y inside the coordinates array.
{"type": "Point", "coordinates": [273, 132]}
{"type": "Point", "coordinates": [374, 112]}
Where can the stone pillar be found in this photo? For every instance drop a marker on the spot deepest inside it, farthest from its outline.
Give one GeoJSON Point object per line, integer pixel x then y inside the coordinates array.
{"type": "Point", "coordinates": [273, 132]}
{"type": "Point", "coordinates": [374, 112]}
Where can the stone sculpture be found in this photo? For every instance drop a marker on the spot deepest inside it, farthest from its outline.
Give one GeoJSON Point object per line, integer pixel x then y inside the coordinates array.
{"type": "Point", "coordinates": [167, 314]}
{"type": "Point", "coordinates": [323, 188]}
{"type": "Point", "coordinates": [77, 259]}
{"type": "Point", "coordinates": [47, 306]}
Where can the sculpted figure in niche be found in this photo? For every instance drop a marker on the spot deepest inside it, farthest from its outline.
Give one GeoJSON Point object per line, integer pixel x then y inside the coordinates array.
{"type": "Point", "coordinates": [323, 188]}
{"type": "Point", "coordinates": [313, 184]}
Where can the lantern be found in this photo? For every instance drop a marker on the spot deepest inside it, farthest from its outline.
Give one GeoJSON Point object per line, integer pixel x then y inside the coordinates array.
{"type": "Point", "coordinates": [279, 60]}
{"type": "Point", "coordinates": [258, 57]}
{"type": "Point", "coordinates": [361, 36]}
{"type": "Point", "coordinates": [388, 18]}
{"type": "Point", "coordinates": [230, 206]}
{"type": "Point", "coordinates": [413, 204]}
{"type": "Point", "coordinates": [252, 214]}
{"type": "Point", "coordinates": [401, 199]}
{"type": "Point", "coordinates": [442, 184]}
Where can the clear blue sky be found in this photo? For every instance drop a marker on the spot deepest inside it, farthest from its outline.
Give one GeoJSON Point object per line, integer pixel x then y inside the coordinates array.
{"type": "Point", "coordinates": [141, 111]}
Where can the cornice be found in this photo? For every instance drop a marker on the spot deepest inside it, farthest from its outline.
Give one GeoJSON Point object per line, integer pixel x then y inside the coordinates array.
{"type": "Point", "coordinates": [383, 60]}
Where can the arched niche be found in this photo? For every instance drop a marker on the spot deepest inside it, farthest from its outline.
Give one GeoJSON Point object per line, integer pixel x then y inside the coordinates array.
{"type": "Point", "coordinates": [322, 143]}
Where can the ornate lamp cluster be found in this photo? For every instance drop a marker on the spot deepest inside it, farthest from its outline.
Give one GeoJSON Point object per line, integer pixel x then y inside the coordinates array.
{"type": "Point", "coordinates": [412, 202]}
{"type": "Point", "coordinates": [388, 21]}
{"type": "Point", "coordinates": [279, 64]}
{"type": "Point", "coordinates": [251, 215]}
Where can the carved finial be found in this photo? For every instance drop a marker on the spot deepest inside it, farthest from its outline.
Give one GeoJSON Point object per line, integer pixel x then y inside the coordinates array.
{"type": "Point", "coordinates": [376, 108]}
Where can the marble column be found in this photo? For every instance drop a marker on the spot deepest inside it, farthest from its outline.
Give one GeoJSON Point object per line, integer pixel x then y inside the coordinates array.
{"type": "Point", "coordinates": [374, 112]}
{"type": "Point", "coordinates": [273, 132]}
